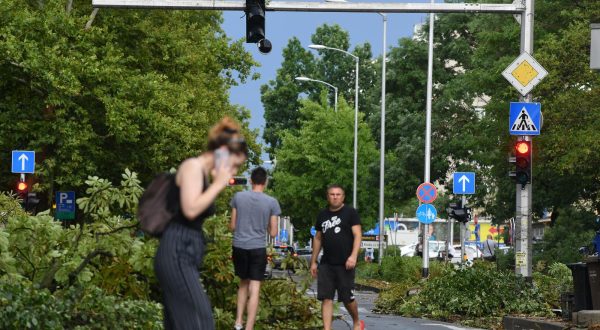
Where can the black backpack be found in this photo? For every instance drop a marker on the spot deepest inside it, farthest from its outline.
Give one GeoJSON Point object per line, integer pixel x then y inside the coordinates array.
{"type": "Point", "coordinates": [156, 207]}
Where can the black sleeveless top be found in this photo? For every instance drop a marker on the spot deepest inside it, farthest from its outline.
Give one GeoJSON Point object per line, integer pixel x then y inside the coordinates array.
{"type": "Point", "coordinates": [175, 199]}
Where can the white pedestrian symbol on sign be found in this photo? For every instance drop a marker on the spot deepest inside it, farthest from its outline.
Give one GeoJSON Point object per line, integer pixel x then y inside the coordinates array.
{"type": "Point", "coordinates": [523, 122]}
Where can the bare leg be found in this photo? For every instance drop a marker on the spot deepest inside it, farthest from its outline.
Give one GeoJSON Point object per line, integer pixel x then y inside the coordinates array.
{"type": "Point", "coordinates": [352, 308]}
{"type": "Point", "coordinates": [327, 312]}
{"type": "Point", "coordinates": [254, 293]}
{"type": "Point", "coordinates": [242, 297]}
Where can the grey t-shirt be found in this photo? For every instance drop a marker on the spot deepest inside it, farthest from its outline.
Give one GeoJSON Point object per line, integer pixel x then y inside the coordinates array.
{"type": "Point", "coordinates": [254, 209]}
{"type": "Point", "coordinates": [489, 248]}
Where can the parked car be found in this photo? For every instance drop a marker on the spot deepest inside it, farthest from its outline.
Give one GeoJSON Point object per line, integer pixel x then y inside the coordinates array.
{"type": "Point", "coordinates": [414, 249]}
{"type": "Point", "coordinates": [472, 251]}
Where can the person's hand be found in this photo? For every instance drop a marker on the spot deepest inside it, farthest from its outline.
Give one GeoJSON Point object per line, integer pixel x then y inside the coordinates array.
{"type": "Point", "coordinates": [223, 173]}
{"type": "Point", "coordinates": [350, 262]}
{"type": "Point", "coordinates": [313, 269]}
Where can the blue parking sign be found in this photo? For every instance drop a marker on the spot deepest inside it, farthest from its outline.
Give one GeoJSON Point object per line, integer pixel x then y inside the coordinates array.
{"type": "Point", "coordinates": [23, 161]}
{"type": "Point", "coordinates": [65, 205]}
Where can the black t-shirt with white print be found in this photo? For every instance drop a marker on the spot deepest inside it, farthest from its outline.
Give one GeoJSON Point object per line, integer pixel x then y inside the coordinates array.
{"type": "Point", "coordinates": [337, 239]}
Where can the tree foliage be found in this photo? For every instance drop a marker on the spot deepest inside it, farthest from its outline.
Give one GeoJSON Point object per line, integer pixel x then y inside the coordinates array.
{"type": "Point", "coordinates": [132, 88]}
{"type": "Point", "coordinates": [321, 153]}
{"type": "Point", "coordinates": [100, 273]}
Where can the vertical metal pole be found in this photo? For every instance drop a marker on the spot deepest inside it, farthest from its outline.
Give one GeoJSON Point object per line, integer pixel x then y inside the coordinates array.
{"type": "Point", "coordinates": [463, 231]}
{"type": "Point", "coordinates": [425, 244]}
{"type": "Point", "coordinates": [382, 141]}
{"type": "Point", "coordinates": [355, 136]}
{"type": "Point", "coordinates": [335, 102]}
{"type": "Point", "coordinates": [523, 264]}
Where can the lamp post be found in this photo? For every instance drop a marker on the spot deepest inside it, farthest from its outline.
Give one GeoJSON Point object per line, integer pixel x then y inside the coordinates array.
{"type": "Point", "coordinates": [354, 203]}
{"type": "Point", "coordinates": [382, 141]}
{"type": "Point", "coordinates": [322, 82]}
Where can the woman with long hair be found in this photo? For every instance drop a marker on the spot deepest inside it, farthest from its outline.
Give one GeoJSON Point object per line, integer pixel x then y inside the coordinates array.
{"type": "Point", "coordinates": [182, 244]}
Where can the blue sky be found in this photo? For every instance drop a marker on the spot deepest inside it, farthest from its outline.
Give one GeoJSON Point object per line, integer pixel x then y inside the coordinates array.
{"type": "Point", "coordinates": [282, 26]}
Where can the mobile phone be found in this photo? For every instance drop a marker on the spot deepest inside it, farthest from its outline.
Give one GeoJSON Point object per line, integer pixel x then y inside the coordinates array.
{"type": "Point", "coordinates": [221, 156]}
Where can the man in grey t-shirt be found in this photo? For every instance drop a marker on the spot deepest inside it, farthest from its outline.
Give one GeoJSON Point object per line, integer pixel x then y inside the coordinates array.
{"type": "Point", "coordinates": [252, 213]}
{"type": "Point", "coordinates": [489, 249]}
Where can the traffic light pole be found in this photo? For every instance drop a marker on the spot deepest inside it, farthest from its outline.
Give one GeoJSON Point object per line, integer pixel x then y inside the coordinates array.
{"type": "Point", "coordinates": [523, 255]}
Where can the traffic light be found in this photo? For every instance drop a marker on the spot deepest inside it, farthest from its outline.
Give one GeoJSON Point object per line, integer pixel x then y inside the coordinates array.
{"type": "Point", "coordinates": [238, 181]}
{"type": "Point", "coordinates": [32, 202]}
{"type": "Point", "coordinates": [255, 25]}
{"type": "Point", "coordinates": [522, 162]}
{"type": "Point", "coordinates": [458, 212]}
{"type": "Point", "coordinates": [22, 192]}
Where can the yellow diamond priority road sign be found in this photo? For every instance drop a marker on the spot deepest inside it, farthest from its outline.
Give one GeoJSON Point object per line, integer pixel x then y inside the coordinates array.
{"type": "Point", "coordinates": [524, 73]}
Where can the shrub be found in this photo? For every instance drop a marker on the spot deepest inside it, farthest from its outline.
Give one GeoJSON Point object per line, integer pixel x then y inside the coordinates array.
{"type": "Point", "coordinates": [552, 282]}
{"type": "Point", "coordinates": [24, 307]}
{"type": "Point", "coordinates": [478, 291]}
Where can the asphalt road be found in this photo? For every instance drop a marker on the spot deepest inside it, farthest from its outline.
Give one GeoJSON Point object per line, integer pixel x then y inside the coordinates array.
{"type": "Point", "coordinates": [373, 321]}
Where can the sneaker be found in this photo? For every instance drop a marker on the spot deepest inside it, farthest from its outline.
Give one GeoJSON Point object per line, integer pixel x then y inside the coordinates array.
{"type": "Point", "coordinates": [239, 327]}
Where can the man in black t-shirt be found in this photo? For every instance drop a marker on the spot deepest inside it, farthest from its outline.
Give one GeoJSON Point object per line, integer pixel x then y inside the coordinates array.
{"type": "Point", "coordinates": [339, 233]}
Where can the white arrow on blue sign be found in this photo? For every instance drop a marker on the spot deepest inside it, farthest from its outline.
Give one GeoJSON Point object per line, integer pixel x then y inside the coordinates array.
{"type": "Point", "coordinates": [464, 183]}
{"type": "Point", "coordinates": [23, 161]}
{"type": "Point", "coordinates": [426, 213]}
{"type": "Point", "coordinates": [525, 118]}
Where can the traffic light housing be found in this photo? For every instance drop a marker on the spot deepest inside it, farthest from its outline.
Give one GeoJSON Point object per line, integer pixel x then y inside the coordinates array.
{"type": "Point", "coordinates": [255, 25]}
{"type": "Point", "coordinates": [459, 213]}
{"type": "Point", "coordinates": [238, 181]}
{"type": "Point", "coordinates": [22, 192]}
{"type": "Point", "coordinates": [32, 202]}
{"type": "Point", "coordinates": [522, 162]}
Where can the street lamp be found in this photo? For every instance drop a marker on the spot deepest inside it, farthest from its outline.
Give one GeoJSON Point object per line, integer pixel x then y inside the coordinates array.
{"type": "Point", "coordinates": [382, 141]}
{"type": "Point", "coordinates": [322, 82]}
{"type": "Point", "coordinates": [322, 47]}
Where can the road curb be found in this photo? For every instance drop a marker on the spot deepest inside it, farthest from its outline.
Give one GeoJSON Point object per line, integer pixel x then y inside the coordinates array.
{"type": "Point", "coordinates": [512, 322]}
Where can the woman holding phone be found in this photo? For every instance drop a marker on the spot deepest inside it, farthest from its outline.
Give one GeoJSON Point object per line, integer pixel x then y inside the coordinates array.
{"type": "Point", "coordinates": [182, 245]}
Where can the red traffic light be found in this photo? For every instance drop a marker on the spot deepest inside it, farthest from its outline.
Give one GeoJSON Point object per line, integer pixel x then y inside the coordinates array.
{"type": "Point", "coordinates": [22, 186]}
{"type": "Point", "coordinates": [238, 181]}
{"type": "Point", "coordinates": [522, 147]}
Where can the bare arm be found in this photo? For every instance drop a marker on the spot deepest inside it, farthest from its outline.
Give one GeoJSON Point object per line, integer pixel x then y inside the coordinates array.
{"type": "Point", "coordinates": [273, 226]}
{"type": "Point", "coordinates": [316, 248]}
{"type": "Point", "coordinates": [190, 180]}
{"type": "Point", "coordinates": [357, 232]}
{"type": "Point", "coordinates": [233, 220]}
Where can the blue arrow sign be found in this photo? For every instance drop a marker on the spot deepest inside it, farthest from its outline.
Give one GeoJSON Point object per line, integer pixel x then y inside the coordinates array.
{"type": "Point", "coordinates": [23, 161]}
{"type": "Point", "coordinates": [426, 213]}
{"type": "Point", "coordinates": [313, 231]}
{"type": "Point", "coordinates": [525, 118]}
{"type": "Point", "coordinates": [464, 183]}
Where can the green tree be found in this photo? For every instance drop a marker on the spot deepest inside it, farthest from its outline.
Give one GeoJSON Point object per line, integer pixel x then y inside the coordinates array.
{"type": "Point", "coordinates": [281, 96]}
{"type": "Point", "coordinates": [132, 88]}
{"type": "Point", "coordinates": [321, 153]}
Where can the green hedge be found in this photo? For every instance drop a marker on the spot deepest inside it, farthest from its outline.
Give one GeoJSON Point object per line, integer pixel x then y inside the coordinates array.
{"type": "Point", "coordinates": [24, 307]}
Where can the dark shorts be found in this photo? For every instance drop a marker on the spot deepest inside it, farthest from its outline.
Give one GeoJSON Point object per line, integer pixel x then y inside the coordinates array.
{"type": "Point", "coordinates": [332, 278]}
{"type": "Point", "coordinates": [250, 264]}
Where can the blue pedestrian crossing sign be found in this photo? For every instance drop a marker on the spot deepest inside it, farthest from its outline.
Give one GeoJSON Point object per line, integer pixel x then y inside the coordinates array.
{"type": "Point", "coordinates": [426, 213]}
{"type": "Point", "coordinates": [525, 118]}
{"type": "Point", "coordinates": [65, 205]}
{"type": "Point", "coordinates": [23, 161]}
{"type": "Point", "coordinates": [464, 183]}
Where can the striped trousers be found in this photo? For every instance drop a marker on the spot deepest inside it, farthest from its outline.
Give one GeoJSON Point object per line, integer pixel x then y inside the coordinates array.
{"type": "Point", "coordinates": [180, 253]}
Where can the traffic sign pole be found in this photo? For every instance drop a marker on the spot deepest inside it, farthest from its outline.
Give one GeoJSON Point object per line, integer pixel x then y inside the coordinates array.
{"type": "Point", "coordinates": [524, 192]}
